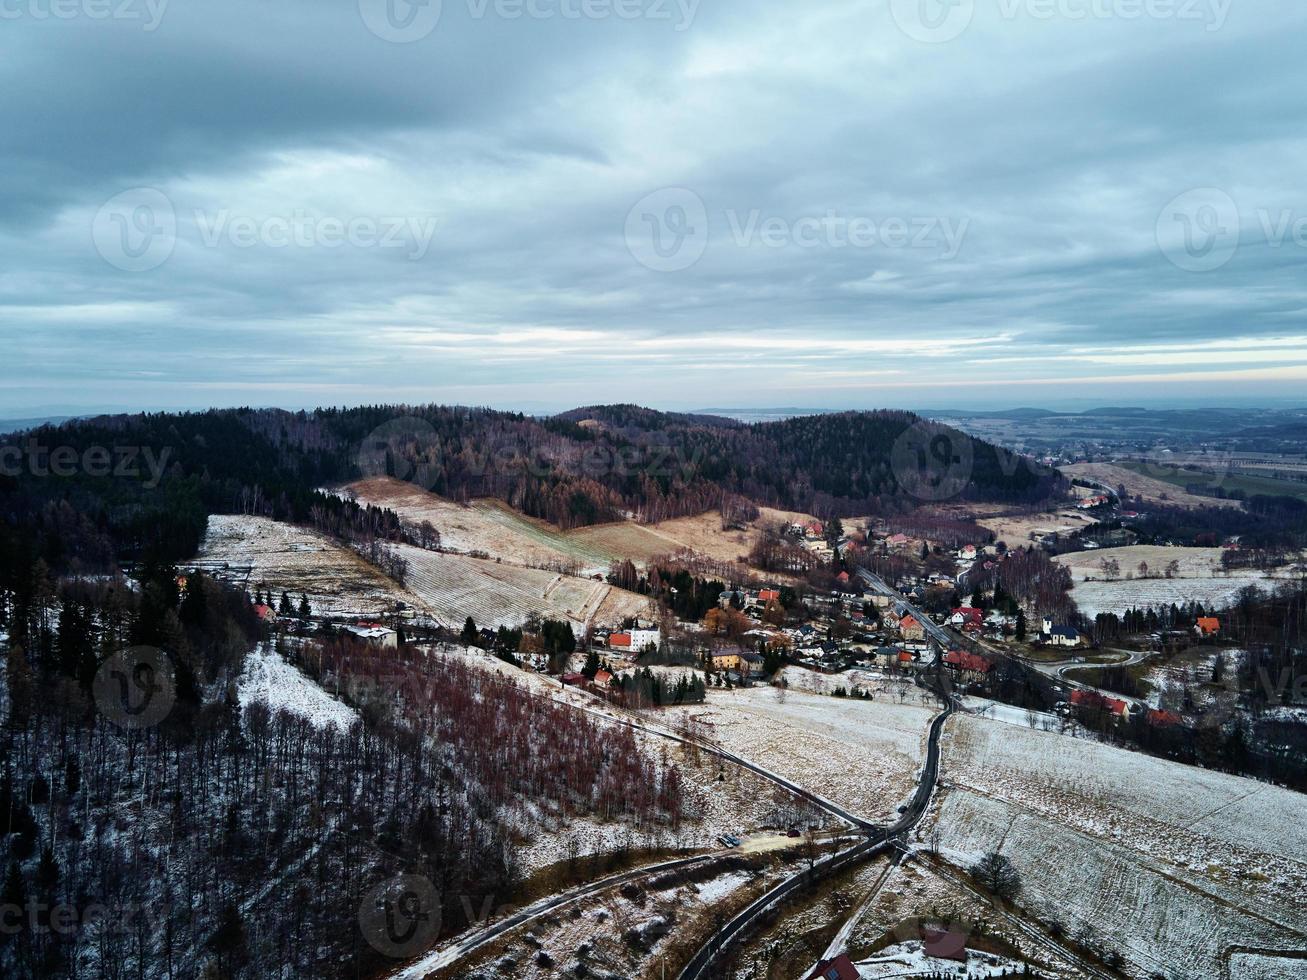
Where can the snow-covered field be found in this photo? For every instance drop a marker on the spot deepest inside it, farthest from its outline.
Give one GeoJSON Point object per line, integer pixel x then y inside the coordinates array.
{"type": "Point", "coordinates": [1256, 966]}
{"type": "Point", "coordinates": [1093, 598]}
{"type": "Point", "coordinates": [486, 525]}
{"type": "Point", "coordinates": [497, 529]}
{"type": "Point", "coordinates": [267, 677]}
{"type": "Point", "coordinates": [910, 959]}
{"type": "Point", "coordinates": [283, 557]}
{"type": "Point", "coordinates": [448, 587]}
{"type": "Point", "coordinates": [452, 587]}
{"type": "Point", "coordinates": [863, 754]}
{"type": "Point", "coordinates": [1198, 578]}
{"type": "Point", "coordinates": [1143, 852]}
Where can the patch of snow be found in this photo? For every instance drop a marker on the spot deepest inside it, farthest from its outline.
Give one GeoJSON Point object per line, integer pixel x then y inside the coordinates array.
{"type": "Point", "coordinates": [269, 678]}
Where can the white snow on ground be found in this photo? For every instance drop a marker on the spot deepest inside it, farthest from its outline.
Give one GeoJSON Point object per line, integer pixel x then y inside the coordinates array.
{"type": "Point", "coordinates": [1144, 852]}
{"type": "Point", "coordinates": [1255, 966]}
{"type": "Point", "coordinates": [863, 754]}
{"type": "Point", "coordinates": [718, 888]}
{"type": "Point", "coordinates": [269, 678]}
{"type": "Point", "coordinates": [1012, 715]}
{"type": "Point", "coordinates": [1093, 598]}
{"type": "Point", "coordinates": [285, 557]}
{"type": "Point", "coordinates": [724, 799]}
{"type": "Point", "coordinates": [910, 959]}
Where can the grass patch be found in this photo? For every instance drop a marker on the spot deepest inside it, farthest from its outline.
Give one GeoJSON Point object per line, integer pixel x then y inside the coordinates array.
{"type": "Point", "coordinates": [1251, 485]}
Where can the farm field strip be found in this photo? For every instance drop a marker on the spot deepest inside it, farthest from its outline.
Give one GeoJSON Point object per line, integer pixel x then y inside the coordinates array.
{"type": "Point", "coordinates": [1143, 850]}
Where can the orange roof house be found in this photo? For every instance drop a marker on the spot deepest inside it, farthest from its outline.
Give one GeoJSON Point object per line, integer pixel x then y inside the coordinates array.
{"type": "Point", "coordinates": [1209, 625]}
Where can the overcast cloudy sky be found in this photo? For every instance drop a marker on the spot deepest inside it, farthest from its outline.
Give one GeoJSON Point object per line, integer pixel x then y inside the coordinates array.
{"type": "Point", "coordinates": [544, 203]}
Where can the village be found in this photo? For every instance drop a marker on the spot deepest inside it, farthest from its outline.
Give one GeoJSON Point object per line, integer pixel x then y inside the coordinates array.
{"type": "Point", "coordinates": [923, 608]}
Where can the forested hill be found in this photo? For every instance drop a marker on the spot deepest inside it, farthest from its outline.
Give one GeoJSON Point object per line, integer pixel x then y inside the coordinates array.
{"type": "Point", "coordinates": [87, 491]}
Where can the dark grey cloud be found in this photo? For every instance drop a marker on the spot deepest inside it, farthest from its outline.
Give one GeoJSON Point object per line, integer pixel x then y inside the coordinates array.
{"type": "Point", "coordinates": [886, 220]}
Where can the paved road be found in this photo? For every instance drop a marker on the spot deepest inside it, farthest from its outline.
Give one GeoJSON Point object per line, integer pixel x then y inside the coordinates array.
{"type": "Point", "coordinates": [1056, 670]}
{"type": "Point", "coordinates": [704, 965]}
{"type": "Point", "coordinates": [470, 943]}
{"type": "Point", "coordinates": [939, 634]}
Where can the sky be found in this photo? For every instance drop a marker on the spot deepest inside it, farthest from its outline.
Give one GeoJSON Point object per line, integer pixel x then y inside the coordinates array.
{"type": "Point", "coordinates": [538, 204]}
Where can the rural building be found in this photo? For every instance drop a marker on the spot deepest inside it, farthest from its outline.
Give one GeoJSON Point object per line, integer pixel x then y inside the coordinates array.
{"type": "Point", "coordinates": [967, 616]}
{"type": "Point", "coordinates": [1060, 635]}
{"type": "Point", "coordinates": [633, 641]}
{"type": "Point", "coordinates": [911, 628]}
{"type": "Point", "coordinates": [1101, 702]}
{"type": "Point", "coordinates": [967, 663]}
{"type": "Point", "coordinates": [1208, 626]}
{"type": "Point", "coordinates": [840, 968]}
{"type": "Point", "coordinates": [376, 634]}
{"type": "Point", "coordinates": [727, 660]}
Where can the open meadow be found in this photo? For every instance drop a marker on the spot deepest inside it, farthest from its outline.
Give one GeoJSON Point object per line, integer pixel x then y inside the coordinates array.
{"type": "Point", "coordinates": [1128, 851]}
{"type": "Point", "coordinates": [864, 754]}
{"type": "Point", "coordinates": [265, 554]}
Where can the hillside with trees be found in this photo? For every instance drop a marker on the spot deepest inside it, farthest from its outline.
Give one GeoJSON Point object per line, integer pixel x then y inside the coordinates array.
{"type": "Point", "coordinates": [142, 486]}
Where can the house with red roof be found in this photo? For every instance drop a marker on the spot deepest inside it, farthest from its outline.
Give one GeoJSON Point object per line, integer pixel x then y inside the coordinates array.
{"type": "Point", "coordinates": [965, 616]}
{"type": "Point", "coordinates": [911, 628]}
{"type": "Point", "coordinates": [1208, 626]}
{"type": "Point", "coordinates": [967, 663]}
{"type": "Point", "coordinates": [840, 968]}
{"type": "Point", "coordinates": [1101, 702]}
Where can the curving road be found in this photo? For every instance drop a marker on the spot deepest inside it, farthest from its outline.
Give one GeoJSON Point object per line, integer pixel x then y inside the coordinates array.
{"type": "Point", "coordinates": [704, 963]}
